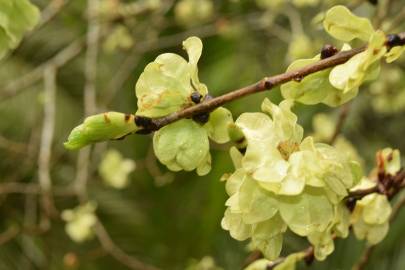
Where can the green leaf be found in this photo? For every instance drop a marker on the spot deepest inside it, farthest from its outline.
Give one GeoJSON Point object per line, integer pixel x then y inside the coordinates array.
{"type": "Point", "coordinates": [101, 127]}
{"type": "Point", "coordinates": [394, 53]}
{"type": "Point", "coordinates": [269, 228]}
{"type": "Point", "coordinates": [391, 160]}
{"type": "Point", "coordinates": [234, 182]}
{"type": "Point", "coordinates": [342, 24]}
{"type": "Point", "coordinates": [262, 158]}
{"type": "Point", "coordinates": [183, 144]}
{"type": "Point", "coordinates": [205, 166]}
{"type": "Point", "coordinates": [285, 121]}
{"type": "Point", "coordinates": [270, 247]}
{"type": "Point", "coordinates": [308, 212]}
{"type": "Point", "coordinates": [236, 157]}
{"type": "Point", "coordinates": [260, 264]}
{"type": "Point", "coordinates": [323, 244]}
{"type": "Point", "coordinates": [312, 89]}
{"type": "Point", "coordinates": [233, 223]}
{"type": "Point", "coordinates": [16, 18]}
{"type": "Point", "coordinates": [350, 75]}
{"type": "Point", "coordinates": [342, 220]}
{"type": "Point", "coordinates": [376, 208]}
{"type": "Point", "coordinates": [165, 86]}
{"type": "Point", "coordinates": [370, 218]}
{"type": "Point", "coordinates": [217, 126]}
{"type": "Point", "coordinates": [256, 204]}
{"type": "Point", "coordinates": [373, 234]}
{"type": "Point", "coordinates": [290, 261]}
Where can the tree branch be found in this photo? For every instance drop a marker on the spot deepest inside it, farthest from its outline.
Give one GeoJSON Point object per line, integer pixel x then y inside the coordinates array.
{"type": "Point", "coordinates": [110, 247]}
{"type": "Point", "coordinates": [14, 88]}
{"type": "Point", "coordinates": [264, 84]}
{"type": "Point", "coordinates": [90, 73]}
{"type": "Point", "coordinates": [45, 149]}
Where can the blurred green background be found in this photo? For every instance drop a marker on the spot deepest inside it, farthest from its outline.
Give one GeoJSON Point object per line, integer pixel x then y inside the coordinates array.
{"type": "Point", "coordinates": [170, 220]}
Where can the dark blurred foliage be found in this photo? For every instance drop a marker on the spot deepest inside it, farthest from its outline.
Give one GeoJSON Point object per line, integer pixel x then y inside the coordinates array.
{"type": "Point", "coordinates": [165, 224]}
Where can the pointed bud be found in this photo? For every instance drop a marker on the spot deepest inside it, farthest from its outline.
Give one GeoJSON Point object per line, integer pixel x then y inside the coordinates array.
{"type": "Point", "coordinates": [101, 127]}
{"type": "Point", "coordinates": [236, 135]}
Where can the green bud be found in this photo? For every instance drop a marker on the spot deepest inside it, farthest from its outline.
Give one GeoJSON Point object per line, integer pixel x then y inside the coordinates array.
{"type": "Point", "coordinates": [101, 127]}
{"type": "Point", "coordinates": [236, 135]}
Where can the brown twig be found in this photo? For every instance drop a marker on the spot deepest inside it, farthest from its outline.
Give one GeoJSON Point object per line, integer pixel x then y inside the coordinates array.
{"type": "Point", "coordinates": [12, 146]}
{"type": "Point", "coordinates": [9, 234]}
{"type": "Point", "coordinates": [364, 258]}
{"type": "Point", "coordinates": [264, 84]}
{"type": "Point", "coordinates": [359, 193]}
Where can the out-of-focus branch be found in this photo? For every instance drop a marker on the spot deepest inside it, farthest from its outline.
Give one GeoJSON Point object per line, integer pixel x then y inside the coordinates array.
{"type": "Point", "coordinates": [83, 161]}
{"type": "Point", "coordinates": [382, 11]}
{"type": "Point", "coordinates": [8, 235]}
{"type": "Point", "coordinates": [344, 112]}
{"type": "Point", "coordinates": [90, 73]}
{"type": "Point", "coordinates": [50, 11]}
{"type": "Point", "coordinates": [19, 188]}
{"type": "Point", "coordinates": [110, 247]}
{"type": "Point", "coordinates": [32, 189]}
{"type": "Point", "coordinates": [125, 70]}
{"type": "Point", "coordinates": [397, 20]}
{"type": "Point", "coordinates": [60, 59]}
{"type": "Point", "coordinates": [12, 146]}
{"type": "Point", "coordinates": [48, 126]}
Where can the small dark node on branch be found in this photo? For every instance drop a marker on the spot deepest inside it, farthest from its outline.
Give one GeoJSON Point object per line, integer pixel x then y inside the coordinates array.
{"type": "Point", "coordinates": [351, 203]}
{"type": "Point", "coordinates": [373, 2]}
{"type": "Point", "coordinates": [267, 84]}
{"type": "Point", "coordinates": [146, 123]}
{"type": "Point", "coordinates": [328, 51]}
{"type": "Point", "coordinates": [196, 97]}
{"type": "Point", "coordinates": [394, 40]}
{"type": "Point", "coordinates": [309, 256]}
{"type": "Point", "coordinates": [242, 150]}
{"type": "Point", "coordinates": [202, 118]}
{"type": "Point", "coordinates": [298, 78]}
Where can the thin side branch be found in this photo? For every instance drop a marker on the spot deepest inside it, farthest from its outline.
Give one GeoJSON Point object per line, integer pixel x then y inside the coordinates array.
{"type": "Point", "coordinates": [14, 88]}
{"type": "Point", "coordinates": [90, 73]}
{"type": "Point", "coordinates": [53, 8]}
{"type": "Point", "coordinates": [45, 149]}
{"type": "Point", "coordinates": [110, 247]}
